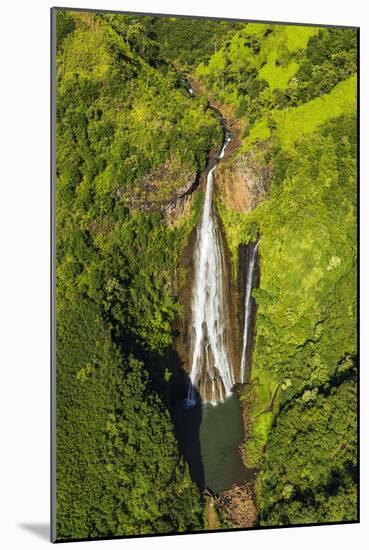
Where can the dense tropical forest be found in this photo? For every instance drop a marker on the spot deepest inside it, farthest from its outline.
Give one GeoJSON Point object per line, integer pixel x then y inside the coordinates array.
{"type": "Point", "coordinates": [132, 146]}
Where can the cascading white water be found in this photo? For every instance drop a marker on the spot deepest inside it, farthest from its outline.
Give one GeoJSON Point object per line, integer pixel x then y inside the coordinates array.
{"type": "Point", "coordinates": [211, 368]}
{"type": "Point", "coordinates": [248, 306]}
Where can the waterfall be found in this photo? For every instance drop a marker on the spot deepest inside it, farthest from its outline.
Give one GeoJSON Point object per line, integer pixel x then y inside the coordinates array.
{"type": "Point", "coordinates": [248, 307]}
{"type": "Point", "coordinates": [211, 371]}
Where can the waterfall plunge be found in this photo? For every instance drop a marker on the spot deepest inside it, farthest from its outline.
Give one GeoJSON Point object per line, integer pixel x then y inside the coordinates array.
{"type": "Point", "coordinates": [248, 307]}
{"type": "Point", "coordinates": [211, 370]}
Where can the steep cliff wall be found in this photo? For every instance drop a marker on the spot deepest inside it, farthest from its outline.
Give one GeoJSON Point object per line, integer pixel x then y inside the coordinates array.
{"type": "Point", "coordinates": [242, 181]}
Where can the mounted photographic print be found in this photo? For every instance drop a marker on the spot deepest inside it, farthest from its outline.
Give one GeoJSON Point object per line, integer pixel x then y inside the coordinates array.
{"type": "Point", "coordinates": [204, 312]}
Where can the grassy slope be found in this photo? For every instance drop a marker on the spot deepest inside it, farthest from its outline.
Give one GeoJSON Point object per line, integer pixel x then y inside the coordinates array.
{"type": "Point", "coordinates": [272, 58]}
{"type": "Point", "coordinates": [291, 123]}
{"type": "Point", "coordinates": [294, 38]}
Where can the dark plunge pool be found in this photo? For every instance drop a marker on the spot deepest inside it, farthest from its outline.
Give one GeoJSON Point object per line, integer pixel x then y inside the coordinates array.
{"type": "Point", "coordinates": [210, 436]}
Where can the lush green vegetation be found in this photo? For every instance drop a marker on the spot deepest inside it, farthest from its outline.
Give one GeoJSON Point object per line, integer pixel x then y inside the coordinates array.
{"type": "Point", "coordinates": [309, 471]}
{"type": "Point", "coordinates": [120, 116]}
{"type": "Point", "coordinates": [188, 42]}
{"type": "Point", "coordinates": [267, 67]}
{"type": "Point", "coordinates": [129, 137]}
{"type": "Point", "coordinates": [286, 122]}
{"type": "Point", "coordinates": [306, 323]}
{"type": "Point", "coordinates": [119, 470]}
{"type": "Point", "coordinates": [301, 399]}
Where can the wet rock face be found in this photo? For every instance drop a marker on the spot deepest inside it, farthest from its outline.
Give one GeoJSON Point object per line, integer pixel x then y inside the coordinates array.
{"type": "Point", "coordinates": [243, 182]}
{"type": "Point", "coordinates": [178, 209]}
{"type": "Point", "coordinates": [179, 206]}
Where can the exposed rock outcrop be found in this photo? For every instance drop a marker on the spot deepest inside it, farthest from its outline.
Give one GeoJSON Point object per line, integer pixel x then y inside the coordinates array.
{"type": "Point", "coordinates": [167, 188]}
{"type": "Point", "coordinates": [238, 506]}
{"type": "Point", "coordinates": [243, 181]}
{"type": "Point", "coordinates": [180, 205]}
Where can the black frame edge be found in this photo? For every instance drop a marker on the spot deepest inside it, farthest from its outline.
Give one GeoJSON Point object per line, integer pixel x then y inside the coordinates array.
{"type": "Point", "coordinates": [206, 17]}
{"type": "Point", "coordinates": [358, 272]}
{"type": "Point", "coordinates": [52, 273]}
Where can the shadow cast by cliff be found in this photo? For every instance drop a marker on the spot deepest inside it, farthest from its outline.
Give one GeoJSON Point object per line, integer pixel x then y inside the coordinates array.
{"type": "Point", "coordinates": [186, 420]}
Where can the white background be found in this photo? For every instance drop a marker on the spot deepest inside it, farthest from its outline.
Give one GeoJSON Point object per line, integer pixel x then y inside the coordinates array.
{"type": "Point", "coordinates": [24, 272]}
